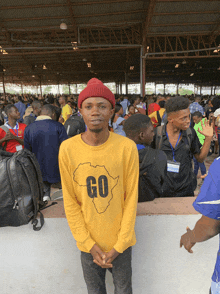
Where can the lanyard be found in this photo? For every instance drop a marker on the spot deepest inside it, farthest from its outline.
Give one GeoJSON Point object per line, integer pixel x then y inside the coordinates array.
{"type": "Point", "coordinates": [173, 150]}
{"type": "Point", "coordinates": [16, 133]}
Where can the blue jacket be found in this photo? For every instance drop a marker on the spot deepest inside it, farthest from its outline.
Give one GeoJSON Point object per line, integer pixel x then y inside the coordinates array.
{"type": "Point", "coordinates": [43, 138]}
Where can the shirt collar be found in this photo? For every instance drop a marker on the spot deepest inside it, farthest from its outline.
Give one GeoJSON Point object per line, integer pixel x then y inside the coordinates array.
{"type": "Point", "coordinates": [9, 127]}
{"type": "Point", "coordinates": [43, 117]}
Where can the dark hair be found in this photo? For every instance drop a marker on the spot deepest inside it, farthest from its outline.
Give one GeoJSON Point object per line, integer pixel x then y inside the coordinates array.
{"type": "Point", "coordinates": [118, 106]}
{"type": "Point", "coordinates": [20, 98]}
{"type": "Point", "coordinates": [48, 109]}
{"type": "Point", "coordinates": [215, 103]}
{"type": "Point", "coordinates": [197, 113]}
{"type": "Point", "coordinates": [36, 104]}
{"type": "Point", "coordinates": [162, 103]}
{"type": "Point", "coordinates": [176, 103]}
{"type": "Point", "coordinates": [8, 108]}
{"type": "Point", "coordinates": [130, 106]}
{"type": "Point", "coordinates": [135, 123]}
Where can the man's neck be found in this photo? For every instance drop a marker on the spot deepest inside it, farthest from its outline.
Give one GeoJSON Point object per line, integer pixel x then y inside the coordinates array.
{"type": "Point", "coordinates": [173, 130]}
{"type": "Point", "coordinates": [95, 139]}
{"type": "Point", "coordinates": [12, 122]}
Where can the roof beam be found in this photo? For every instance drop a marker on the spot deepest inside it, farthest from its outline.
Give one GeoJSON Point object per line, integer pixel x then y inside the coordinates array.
{"type": "Point", "coordinates": [149, 15]}
{"type": "Point", "coordinates": [183, 24]}
{"type": "Point", "coordinates": [72, 16]}
{"type": "Point", "coordinates": [77, 16]}
{"type": "Point", "coordinates": [64, 4]}
{"type": "Point", "coordinates": [186, 12]}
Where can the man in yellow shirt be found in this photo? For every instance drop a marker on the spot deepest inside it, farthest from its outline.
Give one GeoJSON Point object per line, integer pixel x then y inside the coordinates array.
{"type": "Point", "coordinates": [100, 192]}
{"type": "Point", "coordinates": [66, 109]}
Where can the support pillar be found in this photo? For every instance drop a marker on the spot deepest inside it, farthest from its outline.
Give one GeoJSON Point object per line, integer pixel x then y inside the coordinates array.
{"type": "Point", "coordinates": [164, 89]}
{"type": "Point", "coordinates": [126, 83]}
{"type": "Point", "coordinates": [155, 84]}
{"type": "Point", "coordinates": [58, 88]}
{"type": "Point", "coordinates": [214, 89]}
{"type": "Point", "coordinates": [76, 89]}
{"type": "Point", "coordinates": [22, 90]}
{"type": "Point", "coordinates": [3, 82]}
{"type": "Point", "coordinates": [69, 89]}
{"type": "Point", "coordinates": [211, 90]}
{"type": "Point", "coordinates": [200, 90]}
{"type": "Point", "coordinates": [142, 72]}
{"type": "Point", "coordinates": [120, 87]}
{"type": "Point", "coordinates": [177, 89]}
{"type": "Point", "coordinates": [41, 89]}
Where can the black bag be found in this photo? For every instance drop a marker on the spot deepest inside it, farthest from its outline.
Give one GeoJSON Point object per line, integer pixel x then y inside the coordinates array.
{"type": "Point", "coordinates": [21, 190]}
{"type": "Point", "coordinates": [74, 125]}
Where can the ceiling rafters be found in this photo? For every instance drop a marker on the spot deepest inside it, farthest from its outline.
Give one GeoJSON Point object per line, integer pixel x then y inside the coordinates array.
{"type": "Point", "coordinates": [147, 23]}
{"type": "Point", "coordinates": [186, 13]}
{"type": "Point", "coordinates": [72, 16]}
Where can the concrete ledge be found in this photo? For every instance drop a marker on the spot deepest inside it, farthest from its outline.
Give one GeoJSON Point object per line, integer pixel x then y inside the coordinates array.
{"type": "Point", "coordinates": [175, 206]}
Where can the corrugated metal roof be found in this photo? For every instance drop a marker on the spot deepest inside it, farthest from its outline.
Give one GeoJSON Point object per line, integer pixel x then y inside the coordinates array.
{"type": "Point", "coordinates": [106, 32]}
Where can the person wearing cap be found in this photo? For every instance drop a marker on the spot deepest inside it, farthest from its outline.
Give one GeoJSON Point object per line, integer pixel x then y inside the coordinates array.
{"type": "Point", "coordinates": [100, 192]}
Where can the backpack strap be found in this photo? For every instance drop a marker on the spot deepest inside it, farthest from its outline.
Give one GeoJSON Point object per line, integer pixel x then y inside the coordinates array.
{"type": "Point", "coordinates": [159, 137]}
{"type": "Point", "coordinates": [158, 118]}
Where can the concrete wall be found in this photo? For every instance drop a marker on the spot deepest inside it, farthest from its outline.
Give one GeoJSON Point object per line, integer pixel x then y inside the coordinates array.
{"type": "Point", "coordinates": [49, 262]}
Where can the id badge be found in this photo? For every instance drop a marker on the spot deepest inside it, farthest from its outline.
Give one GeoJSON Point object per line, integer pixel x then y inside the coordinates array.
{"type": "Point", "coordinates": [18, 147]}
{"type": "Point", "coordinates": [173, 166]}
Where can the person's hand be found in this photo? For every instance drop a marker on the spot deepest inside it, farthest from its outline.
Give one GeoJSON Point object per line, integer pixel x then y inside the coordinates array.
{"type": "Point", "coordinates": [206, 130]}
{"type": "Point", "coordinates": [9, 136]}
{"type": "Point", "coordinates": [110, 256]}
{"type": "Point", "coordinates": [186, 240]}
{"type": "Point", "coordinates": [61, 120]}
{"type": "Point", "coordinates": [99, 257]}
{"type": "Point", "coordinates": [203, 176]}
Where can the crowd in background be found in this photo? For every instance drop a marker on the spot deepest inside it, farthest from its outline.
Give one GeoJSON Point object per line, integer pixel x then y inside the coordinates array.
{"type": "Point", "coordinates": [35, 109]}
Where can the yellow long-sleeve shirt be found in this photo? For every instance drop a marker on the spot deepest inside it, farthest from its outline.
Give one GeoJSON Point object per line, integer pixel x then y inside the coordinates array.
{"type": "Point", "coordinates": [100, 191]}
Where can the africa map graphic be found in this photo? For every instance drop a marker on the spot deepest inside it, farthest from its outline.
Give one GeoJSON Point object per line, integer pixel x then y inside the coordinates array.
{"type": "Point", "coordinates": [98, 182]}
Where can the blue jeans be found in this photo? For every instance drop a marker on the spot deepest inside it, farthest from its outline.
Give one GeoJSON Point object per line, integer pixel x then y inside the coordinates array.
{"type": "Point", "coordinates": [198, 165]}
{"type": "Point", "coordinates": [215, 288]}
{"type": "Point", "coordinates": [94, 275]}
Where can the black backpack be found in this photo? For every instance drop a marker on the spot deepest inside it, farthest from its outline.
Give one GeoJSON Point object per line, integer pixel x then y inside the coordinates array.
{"type": "Point", "coordinates": [21, 190]}
{"type": "Point", "coordinates": [74, 125]}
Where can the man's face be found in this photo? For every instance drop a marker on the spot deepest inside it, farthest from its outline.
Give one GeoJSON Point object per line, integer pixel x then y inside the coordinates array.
{"type": "Point", "coordinates": [180, 119]}
{"type": "Point", "coordinates": [14, 113]}
{"type": "Point", "coordinates": [36, 110]}
{"type": "Point", "coordinates": [147, 135]}
{"type": "Point", "coordinates": [197, 119]}
{"type": "Point", "coordinates": [96, 112]}
{"type": "Point", "coordinates": [61, 100]}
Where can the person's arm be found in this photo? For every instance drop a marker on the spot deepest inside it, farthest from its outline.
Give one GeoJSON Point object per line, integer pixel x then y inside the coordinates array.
{"type": "Point", "coordinates": [72, 206]}
{"type": "Point", "coordinates": [27, 144]}
{"type": "Point", "coordinates": [130, 209]}
{"type": "Point", "coordinates": [62, 134]}
{"type": "Point", "coordinates": [204, 229]}
{"type": "Point", "coordinates": [130, 205]}
{"type": "Point", "coordinates": [207, 131]}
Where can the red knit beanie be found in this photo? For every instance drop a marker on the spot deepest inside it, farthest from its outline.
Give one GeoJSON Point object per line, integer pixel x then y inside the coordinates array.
{"type": "Point", "coordinates": [95, 88]}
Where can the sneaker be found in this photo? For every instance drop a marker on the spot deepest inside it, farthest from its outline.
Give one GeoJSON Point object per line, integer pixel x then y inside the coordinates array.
{"type": "Point", "coordinates": [46, 198]}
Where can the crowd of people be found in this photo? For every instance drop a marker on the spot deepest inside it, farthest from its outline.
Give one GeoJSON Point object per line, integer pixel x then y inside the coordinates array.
{"type": "Point", "coordinates": [134, 149]}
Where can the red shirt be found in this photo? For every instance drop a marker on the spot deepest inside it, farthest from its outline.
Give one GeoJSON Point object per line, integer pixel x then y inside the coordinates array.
{"type": "Point", "coordinates": [153, 107]}
{"type": "Point", "coordinates": [11, 145]}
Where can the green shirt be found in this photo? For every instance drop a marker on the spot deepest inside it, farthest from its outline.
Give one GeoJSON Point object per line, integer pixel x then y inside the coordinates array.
{"type": "Point", "coordinates": [200, 136]}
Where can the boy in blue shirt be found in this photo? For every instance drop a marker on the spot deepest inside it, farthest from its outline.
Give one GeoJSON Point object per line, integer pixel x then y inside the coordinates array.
{"type": "Point", "coordinates": [208, 226]}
